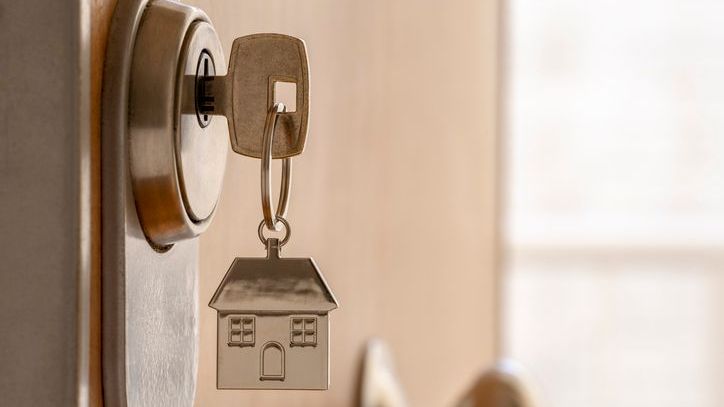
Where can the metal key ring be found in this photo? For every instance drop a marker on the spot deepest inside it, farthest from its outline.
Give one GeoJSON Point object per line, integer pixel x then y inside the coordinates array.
{"type": "Point", "coordinates": [270, 220]}
{"type": "Point", "coordinates": [287, 235]}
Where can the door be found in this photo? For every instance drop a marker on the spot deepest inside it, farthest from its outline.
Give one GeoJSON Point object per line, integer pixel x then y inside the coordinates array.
{"type": "Point", "coordinates": [272, 361]}
{"type": "Point", "coordinates": [395, 195]}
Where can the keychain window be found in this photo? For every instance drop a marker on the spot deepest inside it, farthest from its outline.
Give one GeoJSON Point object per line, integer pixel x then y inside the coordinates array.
{"type": "Point", "coordinates": [304, 331]}
{"type": "Point", "coordinates": [241, 331]}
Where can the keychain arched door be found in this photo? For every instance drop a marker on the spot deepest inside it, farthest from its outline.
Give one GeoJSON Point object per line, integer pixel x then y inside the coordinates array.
{"type": "Point", "coordinates": [272, 361]}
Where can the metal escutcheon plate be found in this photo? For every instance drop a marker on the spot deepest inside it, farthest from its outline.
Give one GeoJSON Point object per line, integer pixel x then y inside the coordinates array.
{"type": "Point", "coordinates": [158, 165]}
{"type": "Point", "coordinates": [177, 166]}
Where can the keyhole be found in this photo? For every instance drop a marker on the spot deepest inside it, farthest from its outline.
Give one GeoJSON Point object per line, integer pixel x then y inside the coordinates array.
{"type": "Point", "coordinates": [205, 72]}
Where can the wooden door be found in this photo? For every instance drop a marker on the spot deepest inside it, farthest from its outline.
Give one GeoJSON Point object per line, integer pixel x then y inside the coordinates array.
{"type": "Point", "coordinates": [395, 195]}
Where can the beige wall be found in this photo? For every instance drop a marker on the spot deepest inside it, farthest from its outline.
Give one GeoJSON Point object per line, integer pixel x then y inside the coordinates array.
{"type": "Point", "coordinates": [394, 196]}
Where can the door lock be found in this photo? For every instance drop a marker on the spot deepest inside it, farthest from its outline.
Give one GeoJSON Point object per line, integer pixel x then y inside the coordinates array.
{"type": "Point", "coordinates": [176, 164]}
{"type": "Point", "coordinates": [178, 83]}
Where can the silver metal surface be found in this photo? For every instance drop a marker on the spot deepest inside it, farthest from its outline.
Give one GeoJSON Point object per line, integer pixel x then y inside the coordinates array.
{"type": "Point", "coordinates": [287, 233]}
{"type": "Point", "coordinates": [270, 219]}
{"type": "Point", "coordinates": [273, 324]}
{"type": "Point", "coordinates": [176, 165]}
{"type": "Point", "coordinates": [246, 94]}
{"type": "Point", "coordinates": [150, 306]}
{"type": "Point", "coordinates": [201, 151]}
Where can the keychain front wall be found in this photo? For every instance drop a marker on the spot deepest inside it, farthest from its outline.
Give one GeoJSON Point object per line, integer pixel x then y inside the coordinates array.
{"type": "Point", "coordinates": [273, 327]}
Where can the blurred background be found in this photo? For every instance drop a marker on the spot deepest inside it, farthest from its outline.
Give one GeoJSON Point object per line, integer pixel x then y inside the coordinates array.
{"type": "Point", "coordinates": [613, 203]}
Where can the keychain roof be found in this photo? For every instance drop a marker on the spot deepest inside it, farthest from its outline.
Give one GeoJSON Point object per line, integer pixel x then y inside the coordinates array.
{"type": "Point", "coordinates": [273, 284]}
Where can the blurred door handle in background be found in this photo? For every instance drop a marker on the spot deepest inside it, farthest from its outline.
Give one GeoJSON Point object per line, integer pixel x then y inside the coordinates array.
{"type": "Point", "coordinates": [378, 384]}
{"type": "Point", "coordinates": [503, 385]}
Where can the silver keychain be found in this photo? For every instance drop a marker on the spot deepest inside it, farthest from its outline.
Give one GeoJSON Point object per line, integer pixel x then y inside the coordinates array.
{"type": "Point", "coordinates": [273, 323]}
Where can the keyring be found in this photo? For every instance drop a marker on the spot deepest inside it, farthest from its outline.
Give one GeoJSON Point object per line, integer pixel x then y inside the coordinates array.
{"type": "Point", "coordinates": [286, 235]}
{"type": "Point", "coordinates": [266, 180]}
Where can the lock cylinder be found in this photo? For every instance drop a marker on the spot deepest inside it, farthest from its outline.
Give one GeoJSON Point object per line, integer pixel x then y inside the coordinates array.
{"type": "Point", "coordinates": [177, 153]}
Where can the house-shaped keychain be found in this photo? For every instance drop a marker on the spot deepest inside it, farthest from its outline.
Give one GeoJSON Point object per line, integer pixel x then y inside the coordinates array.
{"type": "Point", "coordinates": [273, 327]}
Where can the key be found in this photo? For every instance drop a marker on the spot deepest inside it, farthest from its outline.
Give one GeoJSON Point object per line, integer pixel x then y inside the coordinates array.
{"type": "Point", "coordinates": [263, 69]}
{"type": "Point", "coordinates": [273, 312]}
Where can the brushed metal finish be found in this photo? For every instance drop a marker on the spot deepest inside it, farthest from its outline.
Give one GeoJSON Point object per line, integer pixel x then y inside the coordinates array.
{"type": "Point", "coordinates": [201, 151]}
{"type": "Point", "coordinates": [150, 306]}
{"type": "Point", "coordinates": [177, 166]}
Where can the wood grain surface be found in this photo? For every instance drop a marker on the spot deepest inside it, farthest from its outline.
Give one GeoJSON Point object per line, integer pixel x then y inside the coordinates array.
{"type": "Point", "coordinates": [394, 197]}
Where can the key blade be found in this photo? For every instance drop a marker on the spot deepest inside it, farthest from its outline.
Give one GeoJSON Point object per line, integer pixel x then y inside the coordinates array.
{"type": "Point", "coordinates": [257, 62]}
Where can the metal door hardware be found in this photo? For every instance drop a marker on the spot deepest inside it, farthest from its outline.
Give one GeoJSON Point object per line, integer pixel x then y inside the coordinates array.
{"type": "Point", "coordinates": [164, 157]}
{"type": "Point", "coordinates": [177, 165]}
{"type": "Point", "coordinates": [150, 304]}
{"type": "Point", "coordinates": [379, 385]}
{"type": "Point", "coordinates": [178, 82]}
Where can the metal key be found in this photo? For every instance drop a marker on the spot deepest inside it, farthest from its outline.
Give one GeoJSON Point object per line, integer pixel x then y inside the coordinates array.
{"type": "Point", "coordinates": [260, 68]}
